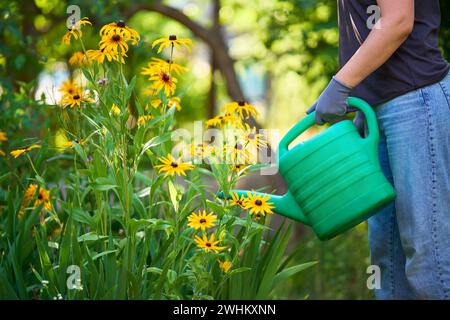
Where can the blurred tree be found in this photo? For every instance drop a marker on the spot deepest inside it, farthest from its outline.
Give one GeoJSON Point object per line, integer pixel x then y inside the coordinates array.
{"type": "Point", "coordinates": [445, 28]}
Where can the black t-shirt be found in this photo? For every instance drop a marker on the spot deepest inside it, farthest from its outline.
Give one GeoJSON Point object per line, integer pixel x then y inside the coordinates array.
{"type": "Point", "coordinates": [418, 62]}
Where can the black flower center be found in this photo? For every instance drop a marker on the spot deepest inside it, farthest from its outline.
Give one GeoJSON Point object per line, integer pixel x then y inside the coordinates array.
{"type": "Point", "coordinates": [241, 103]}
{"type": "Point", "coordinates": [172, 37]}
{"type": "Point", "coordinates": [174, 164]}
{"type": "Point", "coordinates": [208, 244]}
{"type": "Point", "coordinates": [165, 77]}
{"type": "Point", "coordinates": [115, 38]}
{"type": "Point", "coordinates": [202, 220]}
{"type": "Point", "coordinates": [258, 202]}
{"type": "Point", "coordinates": [238, 146]}
{"type": "Point", "coordinates": [120, 24]}
{"type": "Point", "coordinates": [76, 97]}
{"type": "Point", "coordinates": [40, 196]}
{"type": "Point", "coordinates": [251, 136]}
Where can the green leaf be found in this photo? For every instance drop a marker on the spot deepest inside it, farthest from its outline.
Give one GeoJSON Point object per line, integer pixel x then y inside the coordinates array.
{"type": "Point", "coordinates": [90, 236]}
{"type": "Point", "coordinates": [82, 216]}
{"type": "Point", "coordinates": [104, 253]}
{"type": "Point", "coordinates": [288, 272]}
{"type": "Point", "coordinates": [104, 184]}
{"type": "Point", "coordinates": [129, 90]}
{"type": "Point", "coordinates": [80, 151]}
{"type": "Point", "coordinates": [173, 193]}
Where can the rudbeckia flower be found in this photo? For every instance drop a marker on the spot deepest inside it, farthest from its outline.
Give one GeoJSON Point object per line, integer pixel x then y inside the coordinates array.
{"type": "Point", "coordinates": [3, 136]}
{"type": "Point", "coordinates": [119, 27]}
{"type": "Point", "coordinates": [115, 110]}
{"type": "Point", "coordinates": [114, 42]}
{"type": "Point", "coordinates": [69, 144]}
{"type": "Point", "coordinates": [100, 55]}
{"type": "Point", "coordinates": [143, 119]}
{"type": "Point", "coordinates": [202, 220]}
{"type": "Point", "coordinates": [257, 204]}
{"type": "Point", "coordinates": [78, 58]}
{"type": "Point", "coordinates": [208, 244]}
{"type": "Point", "coordinates": [173, 166]}
{"type": "Point", "coordinates": [236, 200]}
{"type": "Point", "coordinates": [163, 81]}
{"type": "Point", "coordinates": [254, 139]}
{"type": "Point", "coordinates": [42, 197]}
{"type": "Point", "coordinates": [154, 66]}
{"type": "Point", "coordinates": [242, 108]}
{"type": "Point", "coordinates": [18, 152]}
{"type": "Point", "coordinates": [75, 31]}
{"type": "Point", "coordinates": [75, 99]}
{"type": "Point", "coordinates": [225, 265]}
{"type": "Point", "coordinates": [69, 87]}
{"type": "Point", "coordinates": [172, 41]}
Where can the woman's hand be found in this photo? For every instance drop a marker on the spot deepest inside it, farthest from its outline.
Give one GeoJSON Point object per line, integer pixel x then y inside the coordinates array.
{"type": "Point", "coordinates": [332, 103]}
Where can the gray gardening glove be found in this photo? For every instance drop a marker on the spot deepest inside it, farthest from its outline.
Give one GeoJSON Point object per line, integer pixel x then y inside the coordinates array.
{"type": "Point", "coordinates": [332, 103]}
{"type": "Point", "coordinates": [360, 123]}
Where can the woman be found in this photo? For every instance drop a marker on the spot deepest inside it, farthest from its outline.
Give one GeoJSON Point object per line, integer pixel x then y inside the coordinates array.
{"type": "Point", "coordinates": [397, 67]}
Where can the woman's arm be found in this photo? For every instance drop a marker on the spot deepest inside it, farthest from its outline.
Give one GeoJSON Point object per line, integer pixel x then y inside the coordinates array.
{"type": "Point", "coordinates": [394, 26]}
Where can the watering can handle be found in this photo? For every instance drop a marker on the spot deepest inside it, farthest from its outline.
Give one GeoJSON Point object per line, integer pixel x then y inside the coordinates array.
{"type": "Point", "coordinates": [308, 121]}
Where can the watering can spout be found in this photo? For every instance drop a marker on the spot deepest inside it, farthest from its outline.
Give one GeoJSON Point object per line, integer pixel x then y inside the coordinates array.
{"type": "Point", "coordinates": [285, 205]}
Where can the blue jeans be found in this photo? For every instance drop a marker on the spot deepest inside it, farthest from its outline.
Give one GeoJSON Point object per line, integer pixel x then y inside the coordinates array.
{"type": "Point", "coordinates": [410, 239]}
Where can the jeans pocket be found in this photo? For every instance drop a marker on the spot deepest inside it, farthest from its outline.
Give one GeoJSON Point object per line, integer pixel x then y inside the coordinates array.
{"type": "Point", "coordinates": [445, 86]}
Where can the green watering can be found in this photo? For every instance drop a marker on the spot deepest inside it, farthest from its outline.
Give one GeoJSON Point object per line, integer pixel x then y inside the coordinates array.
{"type": "Point", "coordinates": [334, 179]}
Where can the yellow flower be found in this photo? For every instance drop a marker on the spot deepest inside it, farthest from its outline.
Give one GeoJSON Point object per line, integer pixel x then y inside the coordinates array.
{"type": "Point", "coordinates": [214, 122]}
{"type": "Point", "coordinates": [232, 119]}
{"type": "Point", "coordinates": [173, 166]}
{"type": "Point", "coordinates": [18, 152]}
{"type": "Point", "coordinates": [225, 265]}
{"type": "Point", "coordinates": [78, 58]}
{"type": "Point", "coordinates": [75, 31]}
{"type": "Point", "coordinates": [208, 244]}
{"type": "Point", "coordinates": [220, 120]}
{"type": "Point", "coordinates": [3, 136]}
{"type": "Point", "coordinates": [114, 42]}
{"type": "Point", "coordinates": [172, 41]}
{"type": "Point", "coordinates": [201, 220]}
{"type": "Point", "coordinates": [201, 150]}
{"type": "Point", "coordinates": [258, 204]}
{"type": "Point", "coordinates": [119, 27]}
{"type": "Point", "coordinates": [163, 81]}
{"type": "Point", "coordinates": [143, 119]}
{"type": "Point", "coordinates": [2, 153]}
{"type": "Point", "coordinates": [42, 197]}
{"type": "Point", "coordinates": [237, 153]}
{"type": "Point", "coordinates": [69, 87]}
{"type": "Point", "coordinates": [236, 200]}
{"type": "Point", "coordinates": [100, 55]}
{"type": "Point", "coordinates": [157, 64]}
{"type": "Point", "coordinates": [156, 102]}
{"type": "Point", "coordinates": [242, 108]}
{"type": "Point", "coordinates": [115, 110]}
{"type": "Point", "coordinates": [69, 144]}
{"type": "Point", "coordinates": [254, 139]}
{"type": "Point", "coordinates": [175, 101]}
{"type": "Point", "coordinates": [75, 99]}
{"type": "Point", "coordinates": [239, 167]}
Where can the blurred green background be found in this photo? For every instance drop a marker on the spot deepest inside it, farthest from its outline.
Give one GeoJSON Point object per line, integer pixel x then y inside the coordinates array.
{"type": "Point", "coordinates": [277, 54]}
